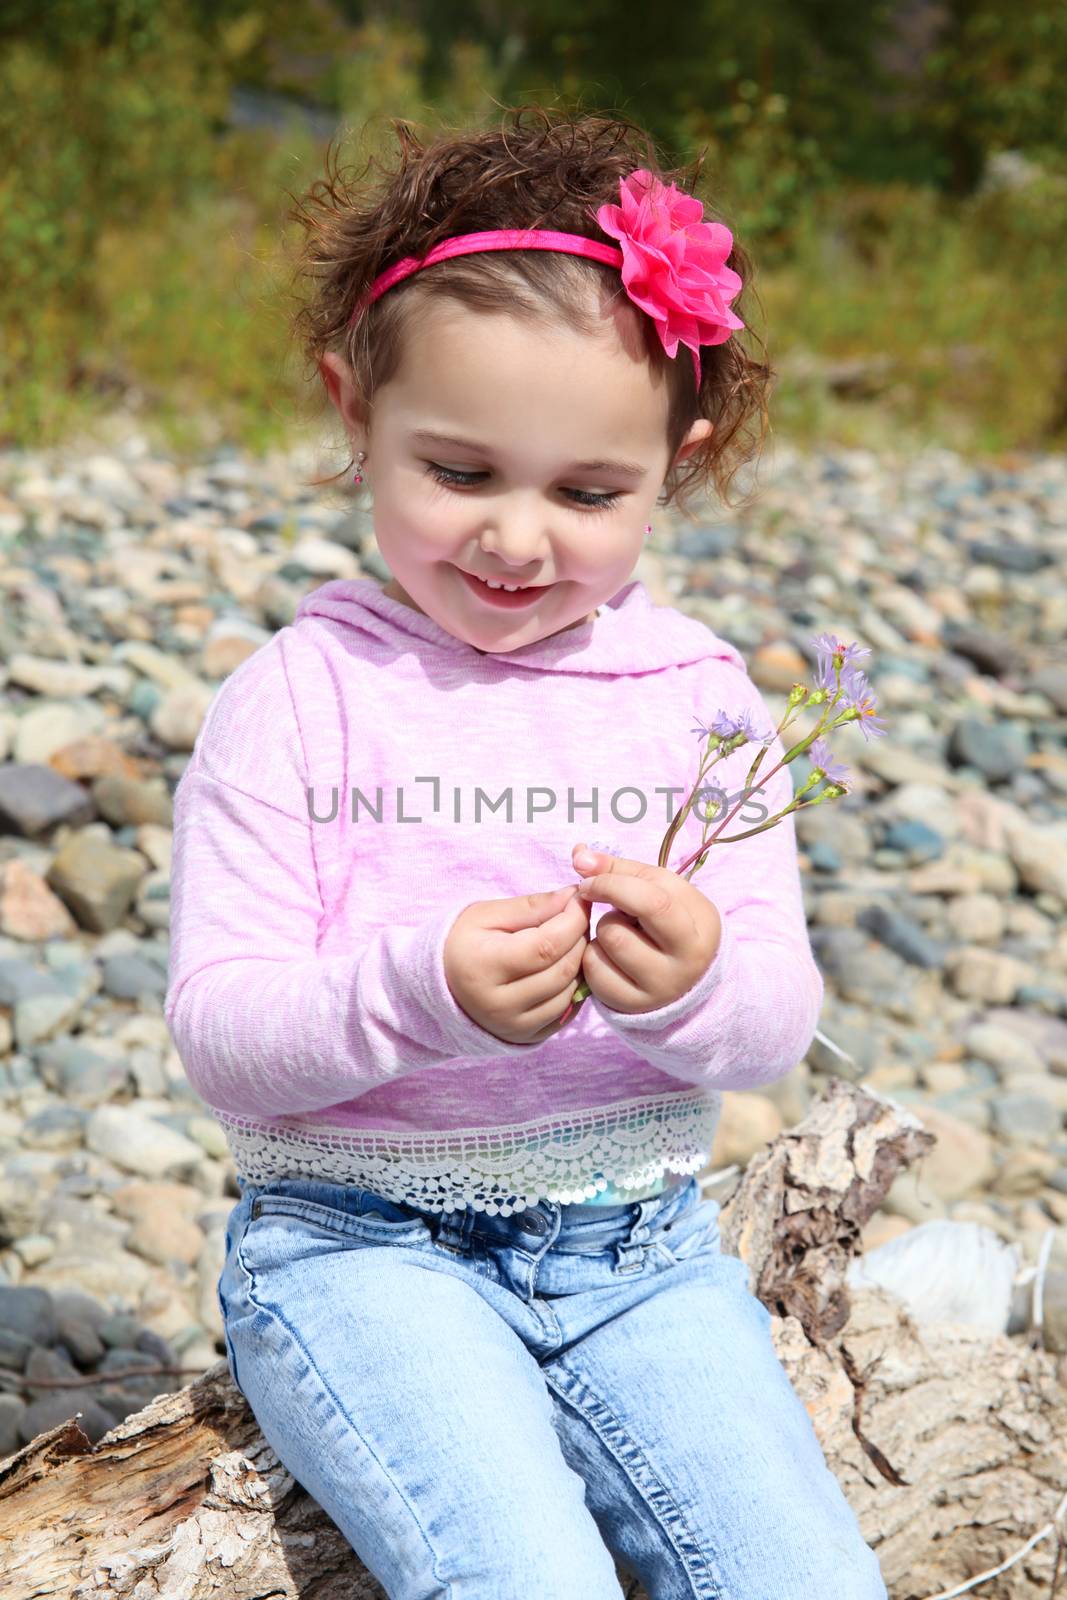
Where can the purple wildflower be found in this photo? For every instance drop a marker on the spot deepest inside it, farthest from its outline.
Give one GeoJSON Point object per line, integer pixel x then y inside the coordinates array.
{"type": "Point", "coordinates": [821, 757]}
{"type": "Point", "coordinates": [726, 726]}
{"type": "Point", "coordinates": [858, 696]}
{"type": "Point", "coordinates": [828, 646]}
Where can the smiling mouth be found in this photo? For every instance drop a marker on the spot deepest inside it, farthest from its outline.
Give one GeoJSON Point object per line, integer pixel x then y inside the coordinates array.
{"type": "Point", "coordinates": [504, 599]}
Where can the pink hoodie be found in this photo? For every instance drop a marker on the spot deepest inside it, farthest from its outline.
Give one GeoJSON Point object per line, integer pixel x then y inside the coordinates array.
{"type": "Point", "coordinates": [307, 995]}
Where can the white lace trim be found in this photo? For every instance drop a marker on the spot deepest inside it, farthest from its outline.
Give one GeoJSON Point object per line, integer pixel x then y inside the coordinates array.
{"type": "Point", "coordinates": [497, 1170]}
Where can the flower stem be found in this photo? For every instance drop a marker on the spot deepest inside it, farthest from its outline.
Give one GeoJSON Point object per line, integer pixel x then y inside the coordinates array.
{"type": "Point", "coordinates": [696, 858]}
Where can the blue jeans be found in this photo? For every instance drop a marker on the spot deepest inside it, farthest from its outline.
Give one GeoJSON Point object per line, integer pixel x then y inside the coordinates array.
{"type": "Point", "coordinates": [491, 1408]}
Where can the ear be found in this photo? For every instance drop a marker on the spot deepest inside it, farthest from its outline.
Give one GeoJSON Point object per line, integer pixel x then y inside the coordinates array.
{"type": "Point", "coordinates": [702, 429]}
{"type": "Point", "coordinates": [341, 387]}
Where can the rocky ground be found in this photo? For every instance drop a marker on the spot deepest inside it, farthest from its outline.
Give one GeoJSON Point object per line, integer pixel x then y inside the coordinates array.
{"type": "Point", "coordinates": [936, 890]}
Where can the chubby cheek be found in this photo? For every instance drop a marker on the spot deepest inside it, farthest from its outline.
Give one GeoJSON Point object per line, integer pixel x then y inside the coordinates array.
{"type": "Point", "coordinates": [417, 527]}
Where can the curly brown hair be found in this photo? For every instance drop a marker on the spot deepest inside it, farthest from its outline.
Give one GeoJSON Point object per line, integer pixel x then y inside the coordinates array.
{"type": "Point", "coordinates": [539, 168]}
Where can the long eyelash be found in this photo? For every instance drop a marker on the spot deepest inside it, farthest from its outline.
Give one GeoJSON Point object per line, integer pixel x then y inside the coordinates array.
{"type": "Point", "coordinates": [593, 502]}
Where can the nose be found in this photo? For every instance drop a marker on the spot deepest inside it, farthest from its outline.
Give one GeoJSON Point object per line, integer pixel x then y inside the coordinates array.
{"type": "Point", "coordinates": [518, 540]}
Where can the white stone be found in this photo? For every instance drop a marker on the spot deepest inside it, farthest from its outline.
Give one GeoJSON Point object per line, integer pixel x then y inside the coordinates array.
{"type": "Point", "coordinates": [138, 1143]}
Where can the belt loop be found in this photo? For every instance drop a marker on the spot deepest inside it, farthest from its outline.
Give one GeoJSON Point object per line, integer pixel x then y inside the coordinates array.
{"type": "Point", "coordinates": [645, 1208]}
{"type": "Point", "coordinates": [455, 1228]}
{"type": "Point", "coordinates": [630, 1250]}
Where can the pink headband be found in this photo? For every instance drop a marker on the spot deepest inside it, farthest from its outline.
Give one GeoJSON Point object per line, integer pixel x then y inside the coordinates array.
{"type": "Point", "coordinates": [673, 263]}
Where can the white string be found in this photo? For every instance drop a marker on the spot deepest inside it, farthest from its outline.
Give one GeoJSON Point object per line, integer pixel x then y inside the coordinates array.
{"type": "Point", "coordinates": [982, 1577]}
{"type": "Point", "coordinates": [710, 1179]}
{"type": "Point", "coordinates": [836, 1048]}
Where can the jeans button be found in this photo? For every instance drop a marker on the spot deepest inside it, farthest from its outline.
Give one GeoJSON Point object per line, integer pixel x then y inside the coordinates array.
{"type": "Point", "coordinates": [533, 1222]}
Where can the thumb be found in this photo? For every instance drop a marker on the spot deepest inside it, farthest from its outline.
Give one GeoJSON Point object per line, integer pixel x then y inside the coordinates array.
{"type": "Point", "coordinates": [528, 910]}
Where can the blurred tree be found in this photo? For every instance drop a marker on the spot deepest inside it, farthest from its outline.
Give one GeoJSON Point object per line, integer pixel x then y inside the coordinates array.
{"type": "Point", "coordinates": [821, 55]}
{"type": "Point", "coordinates": [993, 81]}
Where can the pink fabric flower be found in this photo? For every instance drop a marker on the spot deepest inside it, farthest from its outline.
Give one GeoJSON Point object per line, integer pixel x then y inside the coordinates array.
{"type": "Point", "coordinates": [673, 261]}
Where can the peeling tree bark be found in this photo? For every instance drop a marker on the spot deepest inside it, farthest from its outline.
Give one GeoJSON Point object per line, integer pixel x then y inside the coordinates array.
{"type": "Point", "coordinates": [951, 1446]}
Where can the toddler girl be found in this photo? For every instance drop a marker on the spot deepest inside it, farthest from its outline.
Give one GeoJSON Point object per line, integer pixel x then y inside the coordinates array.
{"type": "Point", "coordinates": [472, 1292]}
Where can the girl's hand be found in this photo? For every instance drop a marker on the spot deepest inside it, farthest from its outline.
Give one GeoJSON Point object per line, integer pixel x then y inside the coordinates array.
{"type": "Point", "coordinates": [513, 964]}
{"type": "Point", "coordinates": [659, 942]}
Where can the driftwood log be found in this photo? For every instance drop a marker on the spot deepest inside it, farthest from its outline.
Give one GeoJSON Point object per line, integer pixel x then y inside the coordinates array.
{"type": "Point", "coordinates": [950, 1444]}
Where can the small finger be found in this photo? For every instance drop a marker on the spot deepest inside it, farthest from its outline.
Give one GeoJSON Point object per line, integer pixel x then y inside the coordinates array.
{"type": "Point", "coordinates": [659, 914]}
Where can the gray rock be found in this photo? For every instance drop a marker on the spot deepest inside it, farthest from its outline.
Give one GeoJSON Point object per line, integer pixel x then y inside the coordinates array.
{"type": "Point", "coordinates": [47, 1364]}
{"type": "Point", "coordinates": [1047, 1035]}
{"type": "Point", "coordinates": [1027, 1117]}
{"type": "Point", "coordinates": [77, 1072]}
{"type": "Point", "coordinates": [121, 1358]}
{"type": "Point", "coordinates": [74, 1303]}
{"type": "Point", "coordinates": [128, 977]}
{"type": "Point", "coordinates": [82, 1340]}
{"type": "Point", "coordinates": [55, 1128]}
{"type": "Point", "coordinates": [14, 1349]}
{"type": "Point", "coordinates": [996, 751]}
{"type": "Point", "coordinates": [119, 1331]}
{"type": "Point", "coordinates": [862, 972]}
{"type": "Point", "coordinates": [64, 1405]}
{"type": "Point", "coordinates": [19, 980]}
{"type": "Point", "coordinates": [969, 1104]}
{"type": "Point", "coordinates": [1042, 997]}
{"type": "Point", "coordinates": [1011, 557]}
{"type": "Point", "coordinates": [12, 1410]}
{"type": "Point", "coordinates": [42, 1016]}
{"type": "Point", "coordinates": [823, 856]}
{"type": "Point", "coordinates": [154, 1345]}
{"type": "Point", "coordinates": [35, 798]}
{"type": "Point", "coordinates": [1051, 681]}
{"type": "Point", "coordinates": [914, 840]}
{"type": "Point", "coordinates": [122, 1401]}
{"type": "Point", "coordinates": [708, 542]}
{"type": "Point", "coordinates": [144, 698]}
{"type": "Point", "coordinates": [901, 935]}
{"type": "Point", "coordinates": [28, 1311]}
{"type": "Point", "coordinates": [995, 654]}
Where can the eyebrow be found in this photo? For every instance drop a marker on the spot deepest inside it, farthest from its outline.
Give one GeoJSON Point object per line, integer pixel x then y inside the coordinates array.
{"type": "Point", "coordinates": [625, 469]}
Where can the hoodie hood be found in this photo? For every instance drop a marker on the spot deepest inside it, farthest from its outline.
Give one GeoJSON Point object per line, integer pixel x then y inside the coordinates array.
{"type": "Point", "coordinates": [630, 634]}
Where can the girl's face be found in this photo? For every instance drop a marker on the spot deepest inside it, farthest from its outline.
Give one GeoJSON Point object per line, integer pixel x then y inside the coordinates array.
{"type": "Point", "coordinates": [507, 450]}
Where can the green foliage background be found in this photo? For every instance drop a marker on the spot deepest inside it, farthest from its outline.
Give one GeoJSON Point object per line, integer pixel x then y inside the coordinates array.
{"type": "Point", "coordinates": [907, 295]}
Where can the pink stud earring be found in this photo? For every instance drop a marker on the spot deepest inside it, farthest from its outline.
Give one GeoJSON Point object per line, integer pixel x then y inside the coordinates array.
{"type": "Point", "coordinates": [357, 476]}
{"type": "Point", "coordinates": [648, 530]}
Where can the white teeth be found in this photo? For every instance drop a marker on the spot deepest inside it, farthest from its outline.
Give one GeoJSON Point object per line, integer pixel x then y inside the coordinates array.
{"type": "Point", "coordinates": [510, 587]}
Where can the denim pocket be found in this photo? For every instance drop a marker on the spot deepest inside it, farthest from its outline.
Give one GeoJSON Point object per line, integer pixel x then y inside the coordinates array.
{"type": "Point", "coordinates": [693, 1233]}
{"type": "Point", "coordinates": [282, 1223]}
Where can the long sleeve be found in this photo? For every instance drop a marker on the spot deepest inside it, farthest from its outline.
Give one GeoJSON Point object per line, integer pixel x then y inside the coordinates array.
{"type": "Point", "coordinates": [752, 1015]}
{"type": "Point", "coordinates": [264, 1025]}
